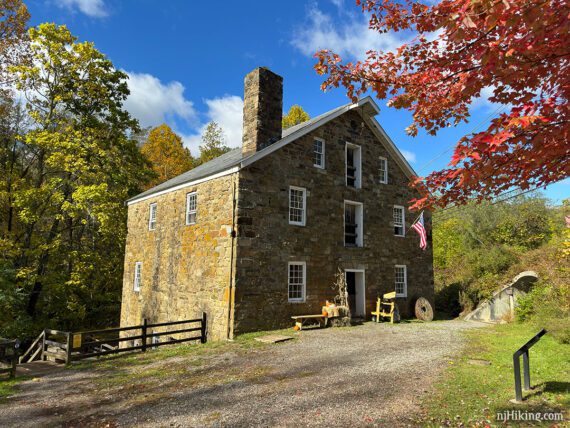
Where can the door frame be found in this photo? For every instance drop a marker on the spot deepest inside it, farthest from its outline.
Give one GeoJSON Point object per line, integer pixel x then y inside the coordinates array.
{"type": "Point", "coordinates": [356, 284]}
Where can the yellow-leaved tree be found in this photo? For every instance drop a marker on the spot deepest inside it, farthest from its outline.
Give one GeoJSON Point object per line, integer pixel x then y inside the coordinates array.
{"type": "Point", "coordinates": [167, 154]}
{"type": "Point", "coordinates": [295, 116]}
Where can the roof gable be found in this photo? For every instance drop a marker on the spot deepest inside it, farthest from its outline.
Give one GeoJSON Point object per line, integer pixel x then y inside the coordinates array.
{"type": "Point", "coordinates": [234, 160]}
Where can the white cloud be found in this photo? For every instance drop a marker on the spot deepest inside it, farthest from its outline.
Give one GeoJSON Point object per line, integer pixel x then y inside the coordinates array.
{"type": "Point", "coordinates": [226, 111]}
{"type": "Point", "coordinates": [93, 8]}
{"type": "Point", "coordinates": [409, 155]}
{"type": "Point", "coordinates": [351, 37]}
{"type": "Point", "coordinates": [153, 102]}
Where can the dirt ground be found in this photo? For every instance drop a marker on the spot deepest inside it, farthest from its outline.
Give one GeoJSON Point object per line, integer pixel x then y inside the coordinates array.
{"type": "Point", "coordinates": [368, 375]}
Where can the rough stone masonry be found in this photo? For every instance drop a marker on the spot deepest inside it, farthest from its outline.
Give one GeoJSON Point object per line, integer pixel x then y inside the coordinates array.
{"type": "Point", "coordinates": [234, 261]}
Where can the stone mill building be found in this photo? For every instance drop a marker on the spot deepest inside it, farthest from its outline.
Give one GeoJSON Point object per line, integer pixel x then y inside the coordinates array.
{"type": "Point", "coordinates": [258, 234]}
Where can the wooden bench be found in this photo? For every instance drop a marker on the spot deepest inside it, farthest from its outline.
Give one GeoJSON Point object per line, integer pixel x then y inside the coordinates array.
{"type": "Point", "coordinates": [300, 320]}
{"type": "Point", "coordinates": [391, 311]}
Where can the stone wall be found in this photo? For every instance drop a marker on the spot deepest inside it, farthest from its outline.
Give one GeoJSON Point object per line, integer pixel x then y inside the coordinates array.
{"type": "Point", "coordinates": [186, 269]}
{"type": "Point", "coordinates": [266, 241]}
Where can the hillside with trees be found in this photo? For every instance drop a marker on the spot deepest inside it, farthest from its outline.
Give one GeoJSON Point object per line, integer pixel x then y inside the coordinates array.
{"type": "Point", "coordinates": [480, 247]}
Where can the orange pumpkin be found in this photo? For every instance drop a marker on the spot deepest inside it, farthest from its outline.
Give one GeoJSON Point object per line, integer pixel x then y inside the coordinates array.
{"type": "Point", "coordinates": [296, 328]}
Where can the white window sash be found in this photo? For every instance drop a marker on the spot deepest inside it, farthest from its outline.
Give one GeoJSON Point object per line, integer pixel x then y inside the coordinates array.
{"type": "Point", "coordinates": [404, 283]}
{"type": "Point", "coordinates": [401, 223]}
{"type": "Point", "coordinates": [303, 285]}
{"type": "Point", "coordinates": [138, 276]}
{"type": "Point", "coordinates": [191, 210]}
{"type": "Point", "coordinates": [384, 170]}
{"type": "Point", "coordinates": [152, 216]}
{"type": "Point", "coordinates": [303, 208]}
{"type": "Point", "coordinates": [320, 155]}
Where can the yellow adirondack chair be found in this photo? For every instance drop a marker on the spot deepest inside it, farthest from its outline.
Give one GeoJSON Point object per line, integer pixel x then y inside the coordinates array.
{"type": "Point", "coordinates": [386, 307]}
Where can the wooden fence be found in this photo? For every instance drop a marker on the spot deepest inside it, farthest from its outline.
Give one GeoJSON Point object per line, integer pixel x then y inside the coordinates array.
{"type": "Point", "coordinates": [61, 346]}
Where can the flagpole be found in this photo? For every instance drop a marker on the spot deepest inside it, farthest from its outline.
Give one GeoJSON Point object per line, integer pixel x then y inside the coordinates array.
{"type": "Point", "coordinates": [417, 218]}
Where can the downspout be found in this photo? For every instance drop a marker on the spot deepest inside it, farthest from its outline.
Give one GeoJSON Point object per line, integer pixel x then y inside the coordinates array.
{"type": "Point", "coordinates": [233, 234]}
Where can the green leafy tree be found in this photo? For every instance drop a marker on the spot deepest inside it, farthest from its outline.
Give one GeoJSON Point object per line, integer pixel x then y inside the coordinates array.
{"type": "Point", "coordinates": [295, 116]}
{"type": "Point", "coordinates": [167, 154]}
{"type": "Point", "coordinates": [74, 168]}
{"type": "Point", "coordinates": [213, 140]}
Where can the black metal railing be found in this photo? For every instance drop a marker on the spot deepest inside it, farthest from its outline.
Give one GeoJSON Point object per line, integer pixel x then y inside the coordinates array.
{"type": "Point", "coordinates": [523, 350]}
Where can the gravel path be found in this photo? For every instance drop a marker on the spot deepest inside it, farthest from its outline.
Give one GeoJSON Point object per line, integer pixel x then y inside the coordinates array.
{"type": "Point", "coordinates": [370, 375]}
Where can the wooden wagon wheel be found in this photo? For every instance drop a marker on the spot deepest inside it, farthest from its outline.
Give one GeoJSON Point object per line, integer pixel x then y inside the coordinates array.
{"type": "Point", "coordinates": [424, 310]}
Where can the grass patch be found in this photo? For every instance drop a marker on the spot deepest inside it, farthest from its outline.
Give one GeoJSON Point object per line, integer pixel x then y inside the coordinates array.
{"type": "Point", "coordinates": [8, 387]}
{"type": "Point", "coordinates": [472, 394]}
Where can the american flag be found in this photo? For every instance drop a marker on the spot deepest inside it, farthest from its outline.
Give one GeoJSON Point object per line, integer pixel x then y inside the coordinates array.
{"type": "Point", "coordinates": [419, 227]}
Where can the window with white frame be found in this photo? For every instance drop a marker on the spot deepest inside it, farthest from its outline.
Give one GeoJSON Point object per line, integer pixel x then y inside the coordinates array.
{"type": "Point", "coordinates": [138, 276]}
{"type": "Point", "coordinates": [353, 166]}
{"type": "Point", "coordinates": [297, 205]}
{"type": "Point", "coordinates": [383, 170]}
{"type": "Point", "coordinates": [191, 207]}
{"type": "Point", "coordinates": [353, 224]}
{"type": "Point", "coordinates": [152, 216]}
{"type": "Point", "coordinates": [319, 150]}
{"type": "Point", "coordinates": [297, 281]}
{"type": "Point", "coordinates": [401, 281]}
{"type": "Point", "coordinates": [399, 220]}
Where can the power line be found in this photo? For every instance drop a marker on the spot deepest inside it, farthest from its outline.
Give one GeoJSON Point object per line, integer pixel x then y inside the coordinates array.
{"type": "Point", "coordinates": [428, 163]}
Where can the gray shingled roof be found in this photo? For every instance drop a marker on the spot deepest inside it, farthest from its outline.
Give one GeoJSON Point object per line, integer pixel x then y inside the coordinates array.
{"type": "Point", "coordinates": [221, 163]}
{"type": "Point", "coordinates": [225, 161]}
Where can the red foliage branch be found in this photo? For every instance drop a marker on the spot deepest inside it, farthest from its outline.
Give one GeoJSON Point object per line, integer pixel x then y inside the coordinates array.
{"type": "Point", "coordinates": [520, 49]}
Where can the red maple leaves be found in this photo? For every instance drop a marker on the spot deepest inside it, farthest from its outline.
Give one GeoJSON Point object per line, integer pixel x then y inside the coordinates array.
{"type": "Point", "coordinates": [518, 49]}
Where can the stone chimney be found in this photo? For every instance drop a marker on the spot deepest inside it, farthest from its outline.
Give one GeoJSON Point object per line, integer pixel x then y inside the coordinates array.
{"type": "Point", "coordinates": [262, 110]}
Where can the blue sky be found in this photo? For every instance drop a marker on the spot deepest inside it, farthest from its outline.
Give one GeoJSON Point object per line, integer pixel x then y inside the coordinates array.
{"type": "Point", "coordinates": [187, 60]}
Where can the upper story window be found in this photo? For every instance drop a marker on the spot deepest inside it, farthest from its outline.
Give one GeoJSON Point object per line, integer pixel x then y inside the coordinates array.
{"type": "Point", "coordinates": [401, 280]}
{"type": "Point", "coordinates": [191, 207]}
{"type": "Point", "coordinates": [383, 170]}
{"type": "Point", "coordinates": [319, 150]}
{"type": "Point", "coordinates": [297, 205]}
{"type": "Point", "coordinates": [297, 281]}
{"type": "Point", "coordinates": [353, 224]}
{"type": "Point", "coordinates": [152, 216]}
{"type": "Point", "coordinates": [399, 220]}
{"type": "Point", "coordinates": [353, 165]}
{"type": "Point", "coordinates": [138, 276]}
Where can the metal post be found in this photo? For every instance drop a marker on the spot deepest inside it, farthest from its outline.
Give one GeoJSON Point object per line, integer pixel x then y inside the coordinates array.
{"type": "Point", "coordinates": [68, 349]}
{"type": "Point", "coordinates": [144, 335]}
{"type": "Point", "coordinates": [204, 323]}
{"type": "Point", "coordinates": [526, 371]}
{"type": "Point", "coordinates": [518, 389]}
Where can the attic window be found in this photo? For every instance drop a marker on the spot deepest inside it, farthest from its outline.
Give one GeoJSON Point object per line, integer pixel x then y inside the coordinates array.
{"type": "Point", "coordinates": [191, 207]}
{"type": "Point", "coordinates": [319, 151]}
{"type": "Point", "coordinates": [152, 216]}
{"type": "Point", "coordinates": [383, 170]}
{"type": "Point", "coordinates": [353, 166]}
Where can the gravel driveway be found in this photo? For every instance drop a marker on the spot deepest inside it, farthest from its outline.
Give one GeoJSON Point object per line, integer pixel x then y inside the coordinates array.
{"type": "Point", "coordinates": [369, 375]}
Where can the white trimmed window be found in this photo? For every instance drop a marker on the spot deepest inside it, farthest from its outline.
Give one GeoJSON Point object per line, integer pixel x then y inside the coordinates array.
{"type": "Point", "coordinates": [138, 276]}
{"type": "Point", "coordinates": [353, 224]}
{"type": "Point", "coordinates": [191, 207]}
{"type": "Point", "coordinates": [319, 150]}
{"type": "Point", "coordinates": [297, 205]}
{"type": "Point", "coordinates": [383, 170]}
{"type": "Point", "coordinates": [353, 166]}
{"type": "Point", "coordinates": [152, 216]}
{"type": "Point", "coordinates": [297, 274]}
{"type": "Point", "coordinates": [399, 220]}
{"type": "Point", "coordinates": [401, 281]}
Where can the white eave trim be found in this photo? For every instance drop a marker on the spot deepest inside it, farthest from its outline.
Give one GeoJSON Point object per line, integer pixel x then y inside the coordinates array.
{"type": "Point", "coordinates": [183, 185]}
